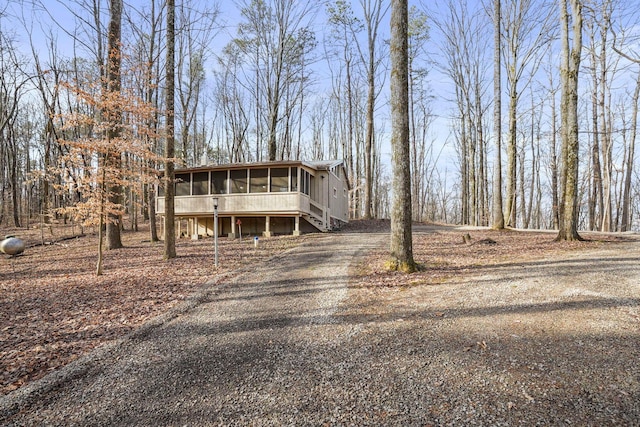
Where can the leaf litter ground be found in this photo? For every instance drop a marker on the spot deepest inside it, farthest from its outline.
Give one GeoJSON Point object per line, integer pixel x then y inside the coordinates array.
{"type": "Point", "coordinates": [53, 308]}
{"type": "Point", "coordinates": [466, 306]}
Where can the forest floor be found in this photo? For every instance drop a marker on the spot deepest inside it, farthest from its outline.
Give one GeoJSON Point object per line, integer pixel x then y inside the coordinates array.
{"type": "Point", "coordinates": [508, 325]}
{"type": "Point", "coordinates": [53, 307]}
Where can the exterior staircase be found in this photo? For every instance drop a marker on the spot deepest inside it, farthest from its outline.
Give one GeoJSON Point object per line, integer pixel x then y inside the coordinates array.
{"type": "Point", "coordinates": [316, 222]}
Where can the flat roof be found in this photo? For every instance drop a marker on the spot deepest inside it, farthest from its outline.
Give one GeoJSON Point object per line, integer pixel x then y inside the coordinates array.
{"type": "Point", "coordinates": [317, 165]}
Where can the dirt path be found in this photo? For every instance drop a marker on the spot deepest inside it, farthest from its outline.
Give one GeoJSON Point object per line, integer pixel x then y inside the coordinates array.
{"type": "Point", "coordinates": [545, 342]}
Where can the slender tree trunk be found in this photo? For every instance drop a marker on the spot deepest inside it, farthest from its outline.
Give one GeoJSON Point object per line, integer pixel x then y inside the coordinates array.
{"type": "Point", "coordinates": [368, 148]}
{"type": "Point", "coordinates": [401, 239]}
{"type": "Point", "coordinates": [596, 204]}
{"type": "Point", "coordinates": [630, 161]}
{"type": "Point", "coordinates": [497, 214]}
{"type": "Point", "coordinates": [169, 167]}
{"type": "Point", "coordinates": [350, 136]}
{"type": "Point", "coordinates": [15, 186]}
{"type": "Point", "coordinates": [101, 224]}
{"type": "Point", "coordinates": [555, 202]}
{"type": "Point", "coordinates": [607, 178]}
{"type": "Point", "coordinates": [511, 208]}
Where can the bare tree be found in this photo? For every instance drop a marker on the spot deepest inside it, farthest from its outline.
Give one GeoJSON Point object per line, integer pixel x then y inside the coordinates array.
{"type": "Point", "coordinates": [374, 11]}
{"type": "Point", "coordinates": [197, 30]}
{"type": "Point", "coordinates": [466, 65]}
{"type": "Point", "coordinates": [421, 116]}
{"type": "Point", "coordinates": [628, 52]}
{"type": "Point", "coordinates": [625, 221]}
{"type": "Point", "coordinates": [147, 51]}
{"type": "Point", "coordinates": [569, 70]}
{"type": "Point", "coordinates": [345, 27]}
{"type": "Point", "coordinates": [234, 103]}
{"type": "Point", "coordinates": [602, 66]}
{"type": "Point", "coordinates": [401, 238]}
{"type": "Point", "coordinates": [12, 88]}
{"type": "Point", "coordinates": [497, 213]}
{"type": "Point", "coordinates": [169, 166]}
{"type": "Point", "coordinates": [527, 32]}
{"type": "Point", "coordinates": [272, 37]}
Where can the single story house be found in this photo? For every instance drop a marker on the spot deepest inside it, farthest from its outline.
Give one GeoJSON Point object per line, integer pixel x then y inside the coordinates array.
{"type": "Point", "coordinates": [283, 197]}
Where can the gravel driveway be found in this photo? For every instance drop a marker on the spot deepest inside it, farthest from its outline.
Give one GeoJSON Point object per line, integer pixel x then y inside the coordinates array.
{"type": "Point", "coordinates": [260, 349]}
{"type": "Point", "coordinates": [289, 343]}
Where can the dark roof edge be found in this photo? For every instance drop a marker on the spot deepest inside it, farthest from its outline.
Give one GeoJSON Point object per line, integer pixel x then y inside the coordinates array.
{"type": "Point", "coordinates": [317, 165]}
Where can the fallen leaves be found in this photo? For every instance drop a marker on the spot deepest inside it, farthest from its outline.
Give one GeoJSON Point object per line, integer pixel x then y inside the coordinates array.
{"type": "Point", "coordinates": [445, 252]}
{"type": "Point", "coordinates": [54, 309]}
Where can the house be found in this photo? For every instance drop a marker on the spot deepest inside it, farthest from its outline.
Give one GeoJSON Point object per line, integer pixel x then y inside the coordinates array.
{"type": "Point", "coordinates": [284, 197]}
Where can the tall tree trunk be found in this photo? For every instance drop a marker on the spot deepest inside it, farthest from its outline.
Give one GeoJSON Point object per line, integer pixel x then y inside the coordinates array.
{"type": "Point", "coordinates": [596, 204]}
{"type": "Point", "coordinates": [569, 70]}
{"type": "Point", "coordinates": [497, 214]}
{"type": "Point", "coordinates": [401, 239]}
{"type": "Point", "coordinates": [101, 221]}
{"type": "Point", "coordinates": [14, 182]}
{"type": "Point", "coordinates": [510, 211]}
{"type": "Point", "coordinates": [630, 161]}
{"type": "Point", "coordinates": [553, 164]}
{"type": "Point", "coordinates": [169, 167]}
{"type": "Point", "coordinates": [374, 10]}
{"type": "Point", "coordinates": [114, 240]}
{"type": "Point", "coordinates": [368, 147]}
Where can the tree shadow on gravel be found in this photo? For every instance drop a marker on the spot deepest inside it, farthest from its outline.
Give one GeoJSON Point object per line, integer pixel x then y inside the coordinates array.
{"type": "Point", "coordinates": [298, 317]}
{"type": "Point", "coordinates": [398, 373]}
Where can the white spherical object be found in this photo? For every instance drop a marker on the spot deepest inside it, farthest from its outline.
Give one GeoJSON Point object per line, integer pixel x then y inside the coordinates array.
{"type": "Point", "coordinates": [12, 246]}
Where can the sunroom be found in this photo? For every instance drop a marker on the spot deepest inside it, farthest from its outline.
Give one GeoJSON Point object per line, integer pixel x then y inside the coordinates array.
{"type": "Point", "coordinates": [287, 197]}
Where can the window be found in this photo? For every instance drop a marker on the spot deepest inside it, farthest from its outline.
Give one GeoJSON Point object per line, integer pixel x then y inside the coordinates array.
{"type": "Point", "coordinates": [279, 180]}
{"type": "Point", "coordinates": [183, 184]}
{"type": "Point", "coordinates": [259, 180]}
{"type": "Point", "coordinates": [219, 182]}
{"type": "Point", "coordinates": [305, 182]}
{"type": "Point", "coordinates": [294, 179]}
{"type": "Point", "coordinates": [335, 193]}
{"type": "Point", "coordinates": [200, 183]}
{"type": "Point", "coordinates": [238, 181]}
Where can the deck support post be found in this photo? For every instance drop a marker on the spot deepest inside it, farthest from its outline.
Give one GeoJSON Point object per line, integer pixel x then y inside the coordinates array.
{"type": "Point", "coordinates": [195, 231]}
{"type": "Point", "coordinates": [296, 227]}
{"type": "Point", "coordinates": [267, 227]}
{"type": "Point", "coordinates": [232, 235]}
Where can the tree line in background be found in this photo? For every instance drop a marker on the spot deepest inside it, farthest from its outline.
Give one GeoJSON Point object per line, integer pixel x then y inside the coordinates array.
{"type": "Point", "coordinates": [87, 120]}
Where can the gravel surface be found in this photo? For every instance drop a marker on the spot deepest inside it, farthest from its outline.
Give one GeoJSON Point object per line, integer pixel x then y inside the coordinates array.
{"type": "Point", "coordinates": [548, 342]}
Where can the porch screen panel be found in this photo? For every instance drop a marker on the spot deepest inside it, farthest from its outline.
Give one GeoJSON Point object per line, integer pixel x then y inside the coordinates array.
{"type": "Point", "coordinates": [219, 182]}
{"type": "Point", "coordinates": [200, 183]}
{"type": "Point", "coordinates": [279, 180]}
{"type": "Point", "coordinates": [259, 180]}
{"type": "Point", "coordinates": [305, 178]}
{"type": "Point", "coordinates": [183, 184]}
{"type": "Point", "coordinates": [294, 179]}
{"type": "Point", "coordinates": [238, 181]}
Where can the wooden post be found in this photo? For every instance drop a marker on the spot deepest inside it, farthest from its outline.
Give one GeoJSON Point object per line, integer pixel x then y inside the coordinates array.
{"type": "Point", "coordinates": [232, 235]}
{"type": "Point", "coordinates": [195, 231]}
{"type": "Point", "coordinates": [296, 227]}
{"type": "Point", "coordinates": [267, 227]}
